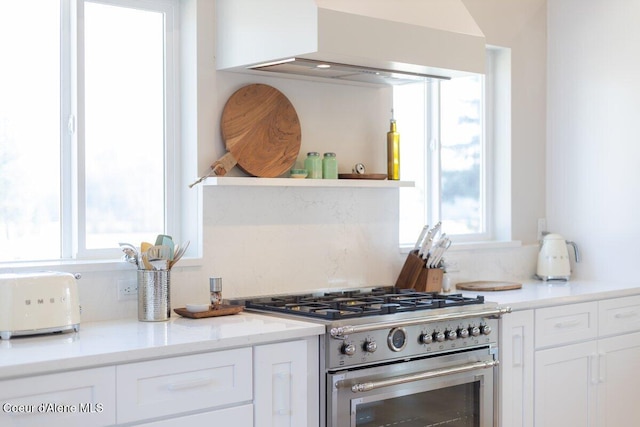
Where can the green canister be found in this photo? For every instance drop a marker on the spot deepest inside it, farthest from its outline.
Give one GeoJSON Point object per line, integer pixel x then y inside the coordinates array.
{"type": "Point", "coordinates": [329, 166]}
{"type": "Point", "coordinates": [313, 165]}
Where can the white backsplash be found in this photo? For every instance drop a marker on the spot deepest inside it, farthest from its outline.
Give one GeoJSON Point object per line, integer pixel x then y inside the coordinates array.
{"type": "Point", "coordinates": [288, 239]}
{"type": "Point", "coordinates": [269, 240]}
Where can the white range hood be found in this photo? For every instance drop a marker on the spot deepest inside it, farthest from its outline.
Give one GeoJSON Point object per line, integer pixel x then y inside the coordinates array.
{"type": "Point", "coordinates": [370, 41]}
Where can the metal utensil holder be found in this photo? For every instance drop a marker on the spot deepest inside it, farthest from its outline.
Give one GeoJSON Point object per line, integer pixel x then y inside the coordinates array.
{"type": "Point", "coordinates": [154, 295]}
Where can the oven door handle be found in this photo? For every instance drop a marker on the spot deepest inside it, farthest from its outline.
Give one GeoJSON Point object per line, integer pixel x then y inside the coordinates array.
{"type": "Point", "coordinates": [372, 385]}
{"type": "Point", "coordinates": [342, 331]}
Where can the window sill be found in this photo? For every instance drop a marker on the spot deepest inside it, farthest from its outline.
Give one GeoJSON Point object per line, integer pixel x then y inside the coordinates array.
{"type": "Point", "coordinates": [84, 266]}
{"type": "Point", "coordinates": [472, 246]}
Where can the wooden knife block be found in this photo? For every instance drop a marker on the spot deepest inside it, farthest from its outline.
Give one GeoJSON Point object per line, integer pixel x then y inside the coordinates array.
{"type": "Point", "coordinates": [415, 275]}
{"type": "Point", "coordinates": [429, 280]}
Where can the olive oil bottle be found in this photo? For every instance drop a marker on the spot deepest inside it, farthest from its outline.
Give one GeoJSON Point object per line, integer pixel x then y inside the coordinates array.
{"type": "Point", "coordinates": [393, 151]}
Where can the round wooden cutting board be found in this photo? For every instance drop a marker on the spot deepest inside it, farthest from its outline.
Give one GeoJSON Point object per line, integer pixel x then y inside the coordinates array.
{"type": "Point", "coordinates": [261, 131]}
{"type": "Point", "coordinates": [488, 285]}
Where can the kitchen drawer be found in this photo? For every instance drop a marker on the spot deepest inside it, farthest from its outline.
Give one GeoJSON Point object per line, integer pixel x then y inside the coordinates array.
{"type": "Point", "coordinates": [82, 398]}
{"type": "Point", "coordinates": [176, 385]}
{"type": "Point", "coordinates": [617, 316]}
{"type": "Point", "coordinates": [566, 324]}
{"type": "Point", "coordinates": [238, 416]}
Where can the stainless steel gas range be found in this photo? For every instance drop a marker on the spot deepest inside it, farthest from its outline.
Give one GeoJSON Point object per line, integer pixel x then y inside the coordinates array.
{"type": "Point", "coordinates": [400, 357]}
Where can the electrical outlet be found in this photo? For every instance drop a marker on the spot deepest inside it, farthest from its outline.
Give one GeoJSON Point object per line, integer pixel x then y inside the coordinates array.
{"type": "Point", "coordinates": [542, 227]}
{"type": "Point", "coordinates": [127, 289]}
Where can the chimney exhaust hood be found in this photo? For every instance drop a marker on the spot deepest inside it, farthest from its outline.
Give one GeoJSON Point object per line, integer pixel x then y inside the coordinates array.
{"type": "Point", "coordinates": [361, 41]}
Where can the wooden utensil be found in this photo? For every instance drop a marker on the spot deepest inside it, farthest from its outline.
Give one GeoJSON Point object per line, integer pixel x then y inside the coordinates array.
{"type": "Point", "coordinates": [261, 131]}
{"type": "Point", "coordinates": [487, 285]}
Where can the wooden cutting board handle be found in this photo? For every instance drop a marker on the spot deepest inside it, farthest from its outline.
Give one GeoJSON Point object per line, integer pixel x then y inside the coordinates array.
{"type": "Point", "coordinates": [224, 164]}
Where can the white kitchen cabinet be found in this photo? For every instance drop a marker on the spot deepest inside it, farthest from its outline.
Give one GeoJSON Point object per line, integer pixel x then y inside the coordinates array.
{"type": "Point", "coordinates": [173, 386]}
{"type": "Point", "coordinates": [587, 364]}
{"type": "Point", "coordinates": [280, 372]}
{"type": "Point", "coordinates": [516, 369]}
{"type": "Point", "coordinates": [83, 398]}
{"type": "Point", "coordinates": [571, 365]}
{"type": "Point", "coordinates": [565, 386]}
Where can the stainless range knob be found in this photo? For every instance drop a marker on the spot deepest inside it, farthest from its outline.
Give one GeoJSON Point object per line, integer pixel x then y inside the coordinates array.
{"type": "Point", "coordinates": [426, 339]}
{"type": "Point", "coordinates": [463, 333]}
{"type": "Point", "coordinates": [348, 349]}
{"type": "Point", "coordinates": [370, 346]}
{"type": "Point", "coordinates": [486, 329]}
{"type": "Point", "coordinates": [438, 336]}
{"type": "Point", "coordinates": [474, 331]}
{"type": "Point", "coordinates": [451, 335]}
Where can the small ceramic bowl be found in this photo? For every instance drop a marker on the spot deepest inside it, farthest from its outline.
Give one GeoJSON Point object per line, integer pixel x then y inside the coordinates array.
{"type": "Point", "coordinates": [197, 308]}
{"type": "Point", "coordinates": [298, 173]}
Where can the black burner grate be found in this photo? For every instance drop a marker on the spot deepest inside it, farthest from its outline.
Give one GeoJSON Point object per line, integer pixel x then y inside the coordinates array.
{"type": "Point", "coordinates": [355, 303]}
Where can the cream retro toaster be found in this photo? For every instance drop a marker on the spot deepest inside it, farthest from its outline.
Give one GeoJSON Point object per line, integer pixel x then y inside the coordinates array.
{"type": "Point", "coordinates": [37, 303]}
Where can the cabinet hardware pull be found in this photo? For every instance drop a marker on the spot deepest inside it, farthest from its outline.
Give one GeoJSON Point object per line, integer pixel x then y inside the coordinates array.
{"type": "Point", "coordinates": [198, 382]}
{"type": "Point", "coordinates": [626, 314]}
{"type": "Point", "coordinates": [567, 324]}
{"type": "Point", "coordinates": [372, 385]}
{"type": "Point", "coordinates": [593, 367]}
{"type": "Point", "coordinates": [517, 350]}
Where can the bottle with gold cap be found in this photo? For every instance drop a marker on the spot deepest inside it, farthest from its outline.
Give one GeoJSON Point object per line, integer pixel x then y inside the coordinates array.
{"type": "Point", "coordinates": [393, 151]}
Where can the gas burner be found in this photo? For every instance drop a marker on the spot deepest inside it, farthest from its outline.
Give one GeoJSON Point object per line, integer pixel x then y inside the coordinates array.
{"type": "Point", "coordinates": [359, 303]}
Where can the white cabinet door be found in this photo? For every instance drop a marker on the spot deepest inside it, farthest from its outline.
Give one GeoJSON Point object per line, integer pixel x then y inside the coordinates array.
{"type": "Point", "coordinates": [566, 380]}
{"type": "Point", "coordinates": [619, 378]}
{"type": "Point", "coordinates": [83, 398]}
{"type": "Point", "coordinates": [280, 378]}
{"type": "Point", "coordinates": [516, 369]}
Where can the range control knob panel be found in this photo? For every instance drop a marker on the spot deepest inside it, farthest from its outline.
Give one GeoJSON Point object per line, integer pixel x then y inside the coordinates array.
{"type": "Point", "coordinates": [411, 340]}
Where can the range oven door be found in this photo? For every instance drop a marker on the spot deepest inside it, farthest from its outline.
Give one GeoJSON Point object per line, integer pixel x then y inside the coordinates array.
{"type": "Point", "coordinates": [454, 390]}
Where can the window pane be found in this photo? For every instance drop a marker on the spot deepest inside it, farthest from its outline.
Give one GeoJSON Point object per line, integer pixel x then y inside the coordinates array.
{"type": "Point", "coordinates": [409, 103]}
{"type": "Point", "coordinates": [29, 130]}
{"type": "Point", "coordinates": [124, 124]}
{"type": "Point", "coordinates": [461, 155]}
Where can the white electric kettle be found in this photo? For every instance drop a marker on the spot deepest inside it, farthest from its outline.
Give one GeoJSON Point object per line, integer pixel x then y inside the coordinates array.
{"type": "Point", "coordinates": [553, 258]}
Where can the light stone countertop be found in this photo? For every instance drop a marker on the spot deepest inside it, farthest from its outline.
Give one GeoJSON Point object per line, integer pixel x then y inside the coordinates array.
{"type": "Point", "coordinates": [537, 294]}
{"type": "Point", "coordinates": [128, 340]}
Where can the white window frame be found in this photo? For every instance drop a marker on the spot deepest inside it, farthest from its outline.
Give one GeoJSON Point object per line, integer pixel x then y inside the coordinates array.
{"type": "Point", "coordinates": [432, 177]}
{"type": "Point", "coordinates": [73, 126]}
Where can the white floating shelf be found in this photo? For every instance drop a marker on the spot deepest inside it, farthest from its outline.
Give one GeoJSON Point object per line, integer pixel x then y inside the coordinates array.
{"type": "Point", "coordinates": [295, 182]}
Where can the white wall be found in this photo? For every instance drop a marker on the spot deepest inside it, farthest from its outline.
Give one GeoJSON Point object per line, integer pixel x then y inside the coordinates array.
{"type": "Point", "coordinates": [593, 139]}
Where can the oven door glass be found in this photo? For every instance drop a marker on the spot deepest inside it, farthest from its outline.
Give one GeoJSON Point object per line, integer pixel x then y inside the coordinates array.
{"type": "Point", "coordinates": [449, 390]}
{"type": "Point", "coordinates": [453, 406]}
